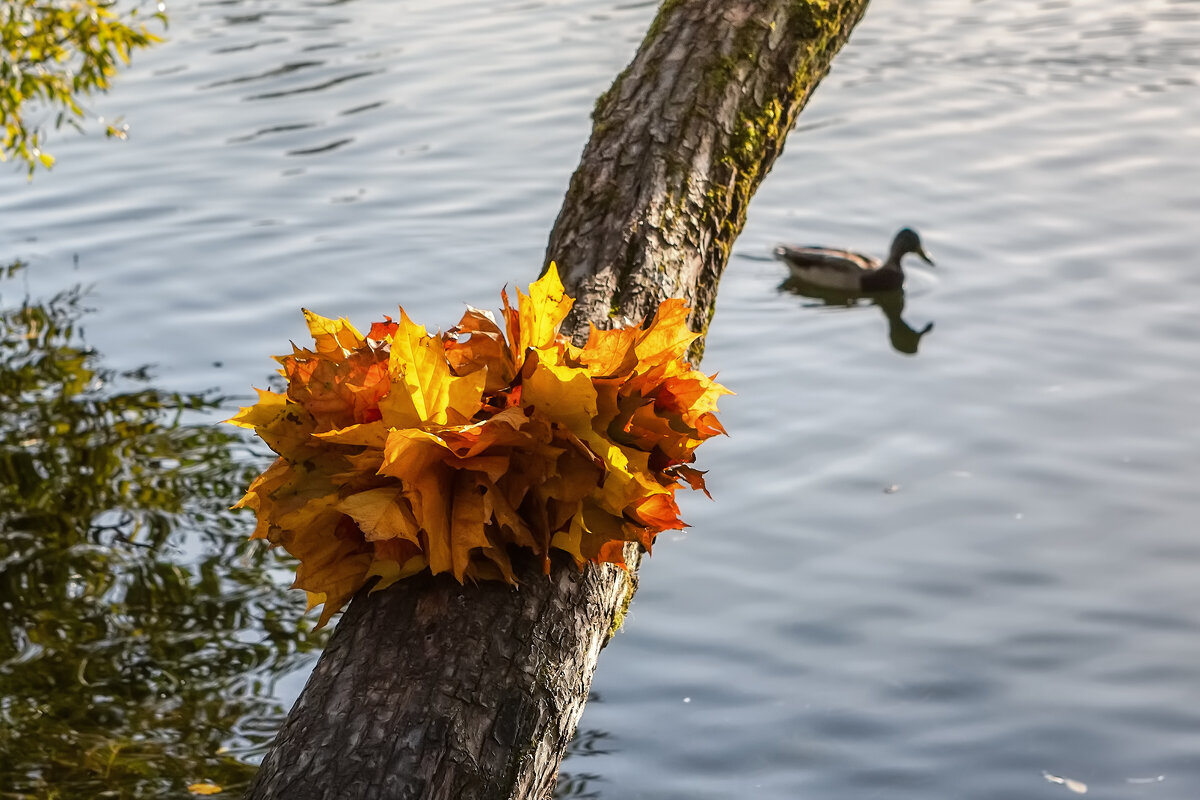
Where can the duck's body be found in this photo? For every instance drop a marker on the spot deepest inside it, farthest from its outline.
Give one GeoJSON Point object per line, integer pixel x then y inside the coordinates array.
{"type": "Point", "coordinates": [846, 271]}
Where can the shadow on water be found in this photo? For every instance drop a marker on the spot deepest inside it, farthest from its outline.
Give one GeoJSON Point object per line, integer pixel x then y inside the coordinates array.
{"type": "Point", "coordinates": [141, 634]}
{"type": "Point", "coordinates": [904, 338]}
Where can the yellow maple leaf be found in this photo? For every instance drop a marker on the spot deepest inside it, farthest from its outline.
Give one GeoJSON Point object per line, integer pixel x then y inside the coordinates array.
{"type": "Point", "coordinates": [563, 393]}
{"type": "Point", "coordinates": [333, 337]}
{"type": "Point", "coordinates": [330, 564]}
{"type": "Point", "coordinates": [667, 338]}
{"type": "Point", "coordinates": [382, 514]}
{"type": "Point", "coordinates": [501, 509]}
{"type": "Point", "coordinates": [610, 352]}
{"type": "Point", "coordinates": [363, 434]}
{"type": "Point", "coordinates": [390, 570]}
{"type": "Point", "coordinates": [284, 426]}
{"type": "Point", "coordinates": [204, 787]}
{"type": "Point", "coordinates": [417, 458]}
{"type": "Point", "coordinates": [464, 396]}
{"type": "Point", "coordinates": [468, 518]}
{"type": "Point", "coordinates": [570, 540]}
{"type": "Point", "coordinates": [423, 383]}
{"type": "Point", "coordinates": [498, 556]}
{"type": "Point", "coordinates": [606, 535]}
{"type": "Point", "coordinates": [418, 364]}
{"type": "Point", "coordinates": [258, 496]}
{"type": "Point", "coordinates": [503, 429]}
{"type": "Point", "coordinates": [542, 311]}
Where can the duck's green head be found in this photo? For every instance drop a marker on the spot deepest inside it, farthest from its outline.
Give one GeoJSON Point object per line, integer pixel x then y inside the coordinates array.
{"type": "Point", "coordinates": [907, 241]}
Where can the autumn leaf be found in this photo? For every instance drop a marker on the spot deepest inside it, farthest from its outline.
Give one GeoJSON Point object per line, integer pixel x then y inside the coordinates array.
{"type": "Point", "coordinates": [610, 352]}
{"type": "Point", "coordinates": [417, 459]}
{"type": "Point", "coordinates": [658, 511]}
{"type": "Point", "coordinates": [332, 560]}
{"type": "Point", "coordinates": [543, 311]}
{"type": "Point", "coordinates": [395, 560]}
{"type": "Point", "coordinates": [483, 350]}
{"type": "Point", "coordinates": [403, 452]}
{"type": "Point", "coordinates": [565, 394]}
{"type": "Point", "coordinates": [418, 364]}
{"type": "Point", "coordinates": [468, 520]}
{"type": "Point", "coordinates": [693, 477]}
{"type": "Point", "coordinates": [204, 788]}
{"type": "Point", "coordinates": [503, 429]}
{"type": "Point", "coordinates": [363, 434]}
{"type": "Point", "coordinates": [383, 331]}
{"type": "Point", "coordinates": [285, 427]}
{"type": "Point", "coordinates": [382, 514]}
{"type": "Point", "coordinates": [667, 338]}
{"type": "Point", "coordinates": [259, 496]}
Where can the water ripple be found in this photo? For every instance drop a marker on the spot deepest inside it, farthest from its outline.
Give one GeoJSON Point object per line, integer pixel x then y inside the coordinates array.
{"type": "Point", "coordinates": [1023, 601]}
{"type": "Point", "coordinates": [316, 87]}
{"type": "Point", "coordinates": [271, 73]}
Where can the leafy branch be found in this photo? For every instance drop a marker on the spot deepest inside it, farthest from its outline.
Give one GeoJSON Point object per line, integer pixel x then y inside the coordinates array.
{"type": "Point", "coordinates": [53, 53]}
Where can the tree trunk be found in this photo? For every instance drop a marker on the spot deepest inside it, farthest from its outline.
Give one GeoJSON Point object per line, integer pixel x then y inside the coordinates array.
{"type": "Point", "coordinates": [434, 690]}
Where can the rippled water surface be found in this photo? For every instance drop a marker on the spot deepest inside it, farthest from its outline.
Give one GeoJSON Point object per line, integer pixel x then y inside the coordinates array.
{"type": "Point", "coordinates": [940, 575]}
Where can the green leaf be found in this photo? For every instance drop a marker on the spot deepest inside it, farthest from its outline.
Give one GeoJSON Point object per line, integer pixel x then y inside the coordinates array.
{"type": "Point", "coordinates": [55, 53]}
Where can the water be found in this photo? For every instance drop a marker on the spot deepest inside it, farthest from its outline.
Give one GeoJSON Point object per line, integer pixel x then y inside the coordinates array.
{"type": "Point", "coordinates": [929, 576]}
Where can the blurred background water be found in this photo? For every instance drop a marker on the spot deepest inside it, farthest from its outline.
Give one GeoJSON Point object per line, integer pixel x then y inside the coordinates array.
{"type": "Point", "coordinates": [940, 575]}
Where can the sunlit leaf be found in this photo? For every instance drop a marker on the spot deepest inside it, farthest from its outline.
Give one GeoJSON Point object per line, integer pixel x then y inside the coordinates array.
{"type": "Point", "coordinates": [543, 311]}
{"type": "Point", "coordinates": [667, 338]}
{"type": "Point", "coordinates": [333, 338]}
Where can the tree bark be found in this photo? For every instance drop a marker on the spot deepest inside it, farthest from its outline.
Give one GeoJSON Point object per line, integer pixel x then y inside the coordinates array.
{"type": "Point", "coordinates": [434, 690]}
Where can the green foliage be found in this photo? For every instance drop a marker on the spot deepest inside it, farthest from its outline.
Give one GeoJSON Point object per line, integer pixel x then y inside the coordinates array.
{"type": "Point", "coordinates": [140, 634]}
{"type": "Point", "coordinates": [52, 53]}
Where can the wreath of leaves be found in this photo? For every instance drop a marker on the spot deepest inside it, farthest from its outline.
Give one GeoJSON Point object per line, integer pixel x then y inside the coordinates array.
{"type": "Point", "coordinates": [401, 451]}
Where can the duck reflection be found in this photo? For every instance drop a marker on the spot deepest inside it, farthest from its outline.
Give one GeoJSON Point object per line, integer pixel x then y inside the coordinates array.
{"type": "Point", "coordinates": [843, 278]}
{"type": "Point", "coordinates": [904, 338]}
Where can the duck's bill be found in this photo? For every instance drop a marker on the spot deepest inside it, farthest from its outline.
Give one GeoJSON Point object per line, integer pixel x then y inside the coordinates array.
{"type": "Point", "coordinates": [925, 257]}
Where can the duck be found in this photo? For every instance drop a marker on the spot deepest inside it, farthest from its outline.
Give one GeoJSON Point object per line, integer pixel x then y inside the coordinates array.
{"type": "Point", "coordinates": [846, 271]}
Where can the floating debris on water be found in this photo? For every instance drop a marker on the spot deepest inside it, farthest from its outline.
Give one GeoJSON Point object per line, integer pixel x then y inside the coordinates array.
{"type": "Point", "coordinates": [1155, 779]}
{"type": "Point", "coordinates": [1078, 787]}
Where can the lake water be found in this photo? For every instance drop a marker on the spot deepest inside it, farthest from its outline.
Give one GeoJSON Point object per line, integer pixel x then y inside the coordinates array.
{"type": "Point", "coordinates": [968, 573]}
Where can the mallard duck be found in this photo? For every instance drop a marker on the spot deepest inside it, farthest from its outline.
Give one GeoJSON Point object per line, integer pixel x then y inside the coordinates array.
{"type": "Point", "coordinates": [852, 272]}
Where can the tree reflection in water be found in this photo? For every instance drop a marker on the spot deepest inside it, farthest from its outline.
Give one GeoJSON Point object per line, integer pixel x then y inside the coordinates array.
{"type": "Point", "coordinates": [574, 785]}
{"type": "Point", "coordinates": [141, 633]}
